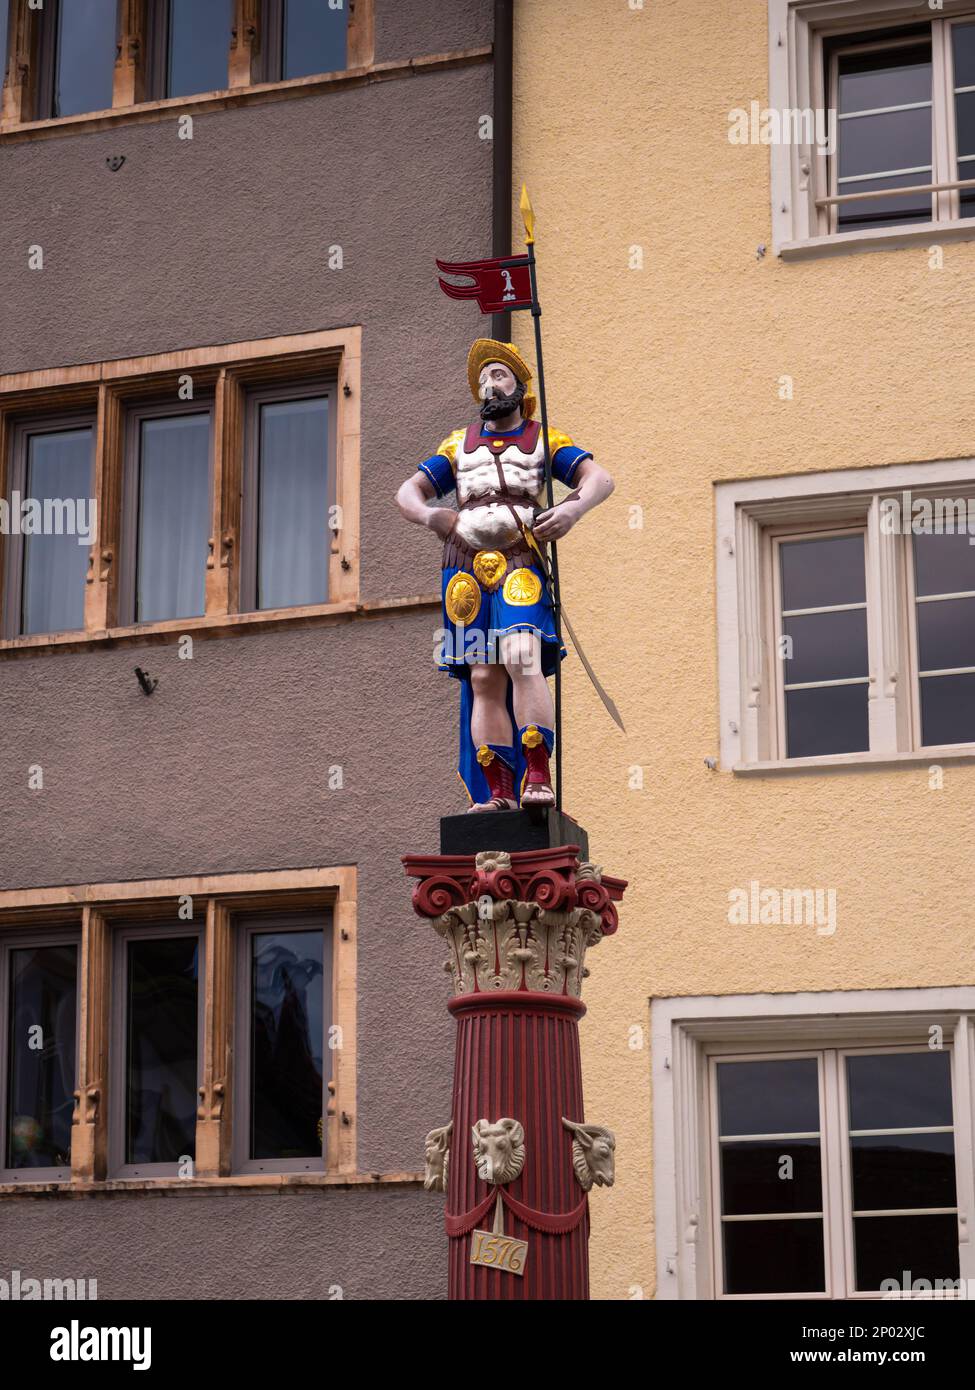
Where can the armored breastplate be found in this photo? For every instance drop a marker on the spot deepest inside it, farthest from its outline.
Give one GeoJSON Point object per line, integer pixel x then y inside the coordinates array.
{"type": "Point", "coordinates": [508, 472]}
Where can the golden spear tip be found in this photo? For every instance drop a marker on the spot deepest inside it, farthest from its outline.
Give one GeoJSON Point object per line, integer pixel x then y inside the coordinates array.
{"type": "Point", "coordinates": [527, 215]}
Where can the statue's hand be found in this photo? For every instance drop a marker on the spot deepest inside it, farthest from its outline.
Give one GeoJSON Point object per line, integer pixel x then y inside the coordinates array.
{"type": "Point", "coordinates": [441, 520]}
{"type": "Point", "coordinates": [557, 521]}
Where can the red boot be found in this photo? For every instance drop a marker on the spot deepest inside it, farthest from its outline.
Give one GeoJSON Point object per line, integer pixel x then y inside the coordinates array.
{"type": "Point", "coordinates": [536, 789]}
{"type": "Point", "coordinates": [500, 779]}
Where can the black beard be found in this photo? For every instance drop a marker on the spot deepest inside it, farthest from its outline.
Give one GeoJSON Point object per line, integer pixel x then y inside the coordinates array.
{"type": "Point", "coordinates": [498, 407]}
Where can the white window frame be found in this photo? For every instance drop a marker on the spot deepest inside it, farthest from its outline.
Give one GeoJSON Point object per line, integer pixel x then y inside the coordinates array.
{"type": "Point", "coordinates": [748, 514]}
{"type": "Point", "coordinates": [688, 1032]}
{"type": "Point", "coordinates": [801, 173]}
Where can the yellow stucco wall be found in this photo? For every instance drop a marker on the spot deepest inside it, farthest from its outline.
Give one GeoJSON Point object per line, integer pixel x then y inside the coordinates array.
{"type": "Point", "coordinates": [670, 375]}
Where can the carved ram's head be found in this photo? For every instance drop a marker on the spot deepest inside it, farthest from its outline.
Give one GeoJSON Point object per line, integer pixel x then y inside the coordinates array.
{"type": "Point", "coordinates": [593, 1154]}
{"type": "Point", "coordinates": [499, 1150]}
{"type": "Point", "coordinates": [437, 1157]}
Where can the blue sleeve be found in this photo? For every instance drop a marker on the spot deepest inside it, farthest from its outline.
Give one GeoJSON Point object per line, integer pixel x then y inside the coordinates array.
{"type": "Point", "coordinates": [565, 462]}
{"type": "Point", "coordinates": [440, 473]}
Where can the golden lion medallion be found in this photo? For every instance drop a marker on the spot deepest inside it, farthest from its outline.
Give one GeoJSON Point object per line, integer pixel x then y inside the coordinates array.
{"type": "Point", "coordinates": [522, 587]}
{"type": "Point", "coordinates": [463, 598]}
{"type": "Point", "coordinates": [489, 568]}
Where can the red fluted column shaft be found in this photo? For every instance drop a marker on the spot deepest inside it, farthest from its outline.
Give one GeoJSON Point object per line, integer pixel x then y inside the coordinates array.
{"type": "Point", "coordinates": [518, 1056]}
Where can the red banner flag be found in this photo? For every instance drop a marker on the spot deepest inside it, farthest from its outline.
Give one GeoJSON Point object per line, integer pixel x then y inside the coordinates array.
{"type": "Point", "coordinates": [498, 285]}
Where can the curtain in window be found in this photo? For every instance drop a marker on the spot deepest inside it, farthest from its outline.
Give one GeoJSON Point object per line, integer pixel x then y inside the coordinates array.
{"type": "Point", "coordinates": [59, 469]}
{"type": "Point", "coordinates": [174, 517]}
{"type": "Point", "coordinates": [293, 527]}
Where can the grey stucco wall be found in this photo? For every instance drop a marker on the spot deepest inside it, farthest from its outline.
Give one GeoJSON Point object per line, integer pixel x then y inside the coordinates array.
{"type": "Point", "coordinates": [369, 1243]}
{"type": "Point", "coordinates": [221, 239]}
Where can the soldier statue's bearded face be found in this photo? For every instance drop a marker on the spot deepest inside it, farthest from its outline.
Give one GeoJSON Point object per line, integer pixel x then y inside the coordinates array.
{"type": "Point", "coordinates": [500, 390]}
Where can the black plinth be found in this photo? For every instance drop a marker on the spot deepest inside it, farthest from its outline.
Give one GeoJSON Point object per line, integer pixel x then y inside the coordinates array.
{"type": "Point", "coordinates": [510, 830]}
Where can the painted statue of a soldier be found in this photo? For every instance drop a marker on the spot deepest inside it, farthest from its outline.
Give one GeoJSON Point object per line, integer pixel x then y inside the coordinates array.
{"type": "Point", "coordinates": [498, 618]}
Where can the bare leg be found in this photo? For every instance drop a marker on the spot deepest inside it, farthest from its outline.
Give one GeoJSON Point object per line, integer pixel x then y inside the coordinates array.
{"type": "Point", "coordinates": [491, 723]}
{"type": "Point", "coordinates": [532, 698]}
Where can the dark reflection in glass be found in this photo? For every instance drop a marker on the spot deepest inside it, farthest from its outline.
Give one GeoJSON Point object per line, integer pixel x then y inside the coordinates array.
{"type": "Point", "coordinates": [946, 634]}
{"type": "Point", "coordinates": [903, 1170]}
{"type": "Point", "coordinates": [965, 128]}
{"type": "Point", "coordinates": [963, 50]}
{"type": "Point", "coordinates": [926, 1247]}
{"type": "Point", "coordinates": [943, 564]}
{"type": "Point", "coordinates": [287, 1044]}
{"type": "Point", "coordinates": [754, 1178]}
{"type": "Point", "coordinates": [884, 212]}
{"type": "Point", "coordinates": [947, 709]}
{"type": "Point", "coordinates": [899, 1090]}
{"type": "Point", "coordinates": [830, 719]}
{"type": "Point", "coordinates": [314, 38]}
{"type": "Point", "coordinates": [774, 1097]}
{"type": "Point", "coordinates": [174, 517]}
{"type": "Point", "coordinates": [4, 12]}
{"type": "Point", "coordinates": [827, 646]}
{"type": "Point", "coordinates": [293, 530]}
{"type": "Point", "coordinates": [895, 77]}
{"type": "Point", "coordinates": [199, 42]}
{"type": "Point", "coordinates": [774, 1256]}
{"type": "Point", "coordinates": [161, 1056]}
{"type": "Point", "coordinates": [41, 1067]}
{"type": "Point", "coordinates": [85, 60]}
{"type": "Point", "coordinates": [891, 140]}
{"type": "Point", "coordinates": [823, 572]}
{"type": "Point", "coordinates": [59, 468]}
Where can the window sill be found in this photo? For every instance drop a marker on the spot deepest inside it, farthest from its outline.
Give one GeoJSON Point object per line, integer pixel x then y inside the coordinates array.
{"type": "Point", "coordinates": [246, 1182]}
{"type": "Point", "coordinates": [222, 625]}
{"type": "Point", "coordinates": [232, 97]}
{"type": "Point", "coordinates": [878, 239]}
{"type": "Point", "coordinates": [837, 762]}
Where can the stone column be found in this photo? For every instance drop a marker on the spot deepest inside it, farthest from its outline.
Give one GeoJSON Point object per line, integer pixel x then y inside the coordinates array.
{"type": "Point", "coordinates": [517, 1158]}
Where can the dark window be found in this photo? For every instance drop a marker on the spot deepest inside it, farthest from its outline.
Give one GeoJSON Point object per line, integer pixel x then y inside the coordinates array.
{"type": "Point", "coordinates": [963, 82]}
{"type": "Point", "coordinates": [190, 45]}
{"type": "Point", "coordinates": [823, 644]}
{"type": "Point", "coordinates": [902, 1159]}
{"type": "Point", "coordinates": [285, 990]}
{"type": "Point", "coordinates": [167, 513]}
{"type": "Point", "coordinates": [944, 582]}
{"type": "Point", "coordinates": [4, 14]}
{"type": "Point", "coordinates": [78, 46]}
{"type": "Point", "coordinates": [304, 37]}
{"type": "Point", "coordinates": [161, 979]}
{"type": "Point", "coordinates": [41, 1048]}
{"type": "Point", "coordinates": [288, 489]}
{"type": "Point", "coordinates": [52, 523]}
{"type": "Point", "coordinates": [772, 1232]}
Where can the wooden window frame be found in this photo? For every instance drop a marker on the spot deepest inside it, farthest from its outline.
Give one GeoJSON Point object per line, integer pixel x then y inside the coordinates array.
{"type": "Point", "coordinates": [105, 913]}
{"type": "Point", "coordinates": [135, 414]}
{"type": "Point", "coordinates": [688, 1032]}
{"type": "Point", "coordinates": [229, 372]}
{"type": "Point", "coordinates": [245, 927]}
{"type": "Point", "coordinates": [165, 929]}
{"type": "Point", "coordinates": [13, 478]}
{"type": "Point", "coordinates": [140, 31]}
{"type": "Point", "coordinates": [12, 940]}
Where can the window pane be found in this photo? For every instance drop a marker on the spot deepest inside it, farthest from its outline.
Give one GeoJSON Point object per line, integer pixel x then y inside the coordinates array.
{"type": "Point", "coordinates": [755, 1179]}
{"type": "Point", "coordinates": [775, 1097]}
{"type": "Point", "coordinates": [947, 709]}
{"type": "Point", "coordinates": [944, 564]}
{"type": "Point", "coordinates": [903, 1170]}
{"type": "Point", "coordinates": [85, 56]}
{"type": "Point", "coordinates": [161, 1059]}
{"type": "Point", "coordinates": [287, 1044]}
{"type": "Point", "coordinates": [774, 1256]}
{"type": "Point", "coordinates": [174, 517]}
{"type": "Point", "coordinates": [4, 12]}
{"type": "Point", "coordinates": [41, 1073]}
{"type": "Point", "coordinates": [823, 572]}
{"type": "Point", "coordinates": [293, 528]}
{"type": "Point", "coordinates": [892, 77]}
{"type": "Point", "coordinates": [899, 1090]}
{"type": "Point", "coordinates": [59, 471]}
{"type": "Point", "coordinates": [199, 42]}
{"type": "Point", "coordinates": [965, 129]}
{"type": "Point", "coordinates": [885, 212]}
{"type": "Point", "coordinates": [887, 1247]}
{"type": "Point", "coordinates": [946, 634]}
{"type": "Point", "coordinates": [831, 719]}
{"type": "Point", "coordinates": [827, 646]}
{"type": "Point", "coordinates": [963, 49]}
{"type": "Point", "coordinates": [314, 38]}
{"type": "Point", "coordinates": [892, 140]}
